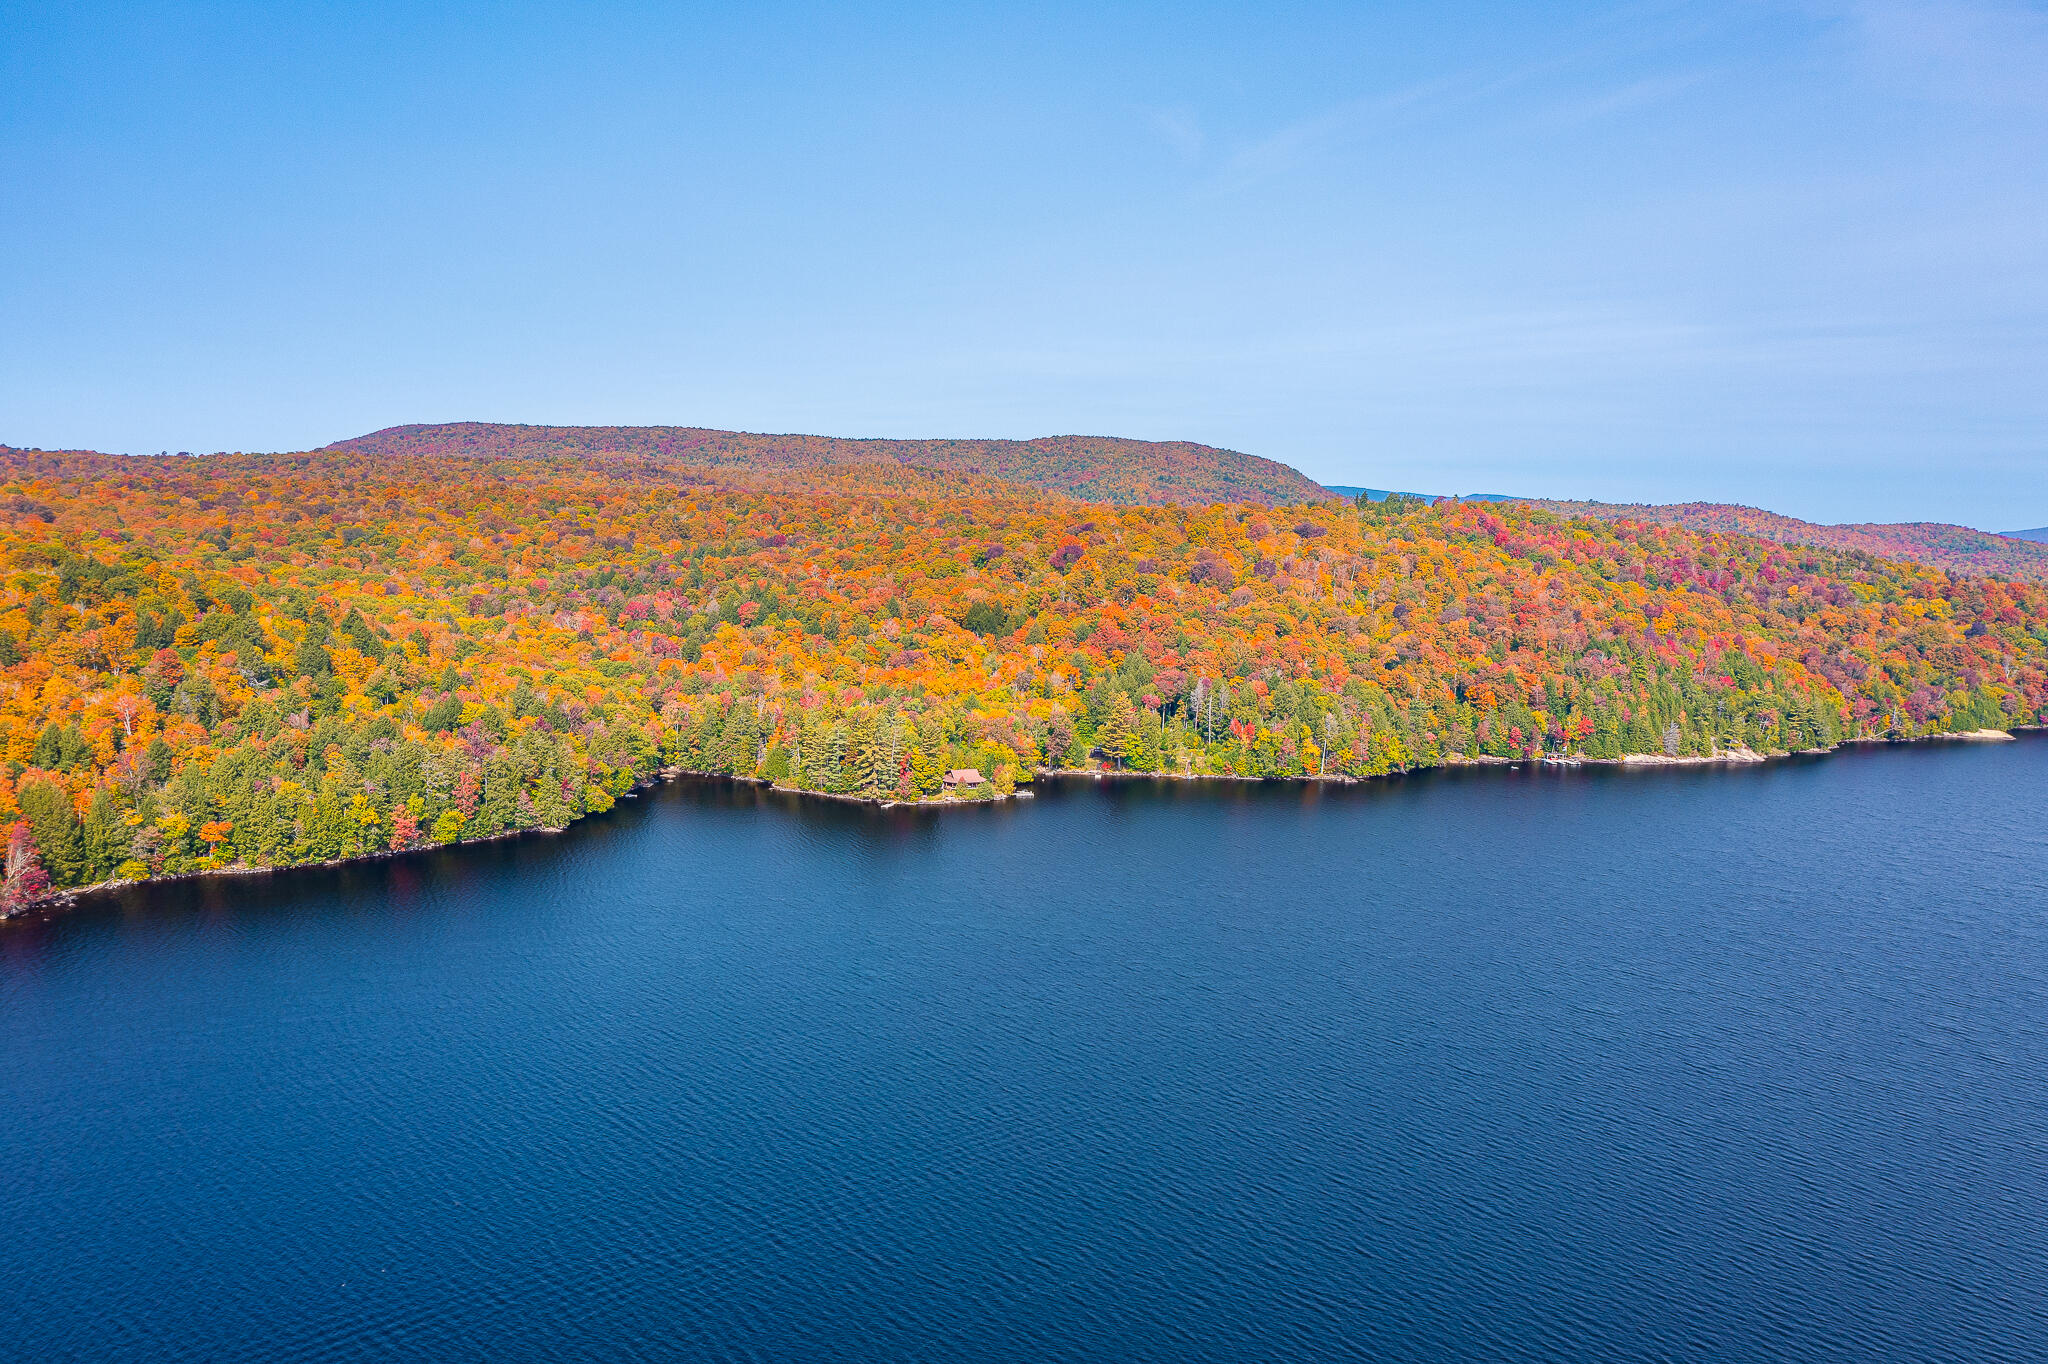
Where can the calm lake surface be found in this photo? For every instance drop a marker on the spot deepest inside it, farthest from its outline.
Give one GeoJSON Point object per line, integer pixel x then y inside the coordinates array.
{"type": "Point", "coordinates": [1510, 1065]}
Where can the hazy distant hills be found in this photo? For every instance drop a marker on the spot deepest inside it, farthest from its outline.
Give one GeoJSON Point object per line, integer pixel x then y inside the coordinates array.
{"type": "Point", "coordinates": [1382, 494]}
{"type": "Point", "coordinates": [1955, 548]}
{"type": "Point", "coordinates": [1959, 549]}
{"type": "Point", "coordinates": [1115, 469]}
{"type": "Point", "coordinates": [1098, 468]}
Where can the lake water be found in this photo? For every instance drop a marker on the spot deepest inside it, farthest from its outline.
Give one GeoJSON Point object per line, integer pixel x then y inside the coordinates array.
{"type": "Point", "coordinates": [1509, 1065]}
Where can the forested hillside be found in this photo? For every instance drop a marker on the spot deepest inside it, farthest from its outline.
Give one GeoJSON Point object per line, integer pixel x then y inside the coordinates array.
{"type": "Point", "coordinates": [1099, 468]}
{"type": "Point", "coordinates": [272, 659]}
{"type": "Point", "coordinates": [1955, 548]}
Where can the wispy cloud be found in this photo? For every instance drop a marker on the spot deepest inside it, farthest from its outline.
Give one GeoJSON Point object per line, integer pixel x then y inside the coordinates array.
{"type": "Point", "coordinates": [1576, 111]}
{"type": "Point", "coordinates": [1587, 88]}
{"type": "Point", "coordinates": [1181, 130]}
{"type": "Point", "coordinates": [1308, 139]}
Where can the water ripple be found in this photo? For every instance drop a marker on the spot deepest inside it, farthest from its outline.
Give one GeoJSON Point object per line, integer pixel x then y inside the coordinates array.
{"type": "Point", "coordinates": [1504, 1065]}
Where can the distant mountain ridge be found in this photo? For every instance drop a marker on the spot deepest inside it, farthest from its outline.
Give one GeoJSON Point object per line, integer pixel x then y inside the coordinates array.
{"type": "Point", "coordinates": [1382, 494]}
{"type": "Point", "coordinates": [1097, 468]}
{"type": "Point", "coordinates": [1121, 470]}
{"type": "Point", "coordinates": [1958, 549]}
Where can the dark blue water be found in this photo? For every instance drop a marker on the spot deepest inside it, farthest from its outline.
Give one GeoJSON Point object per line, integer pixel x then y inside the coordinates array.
{"type": "Point", "coordinates": [1505, 1065]}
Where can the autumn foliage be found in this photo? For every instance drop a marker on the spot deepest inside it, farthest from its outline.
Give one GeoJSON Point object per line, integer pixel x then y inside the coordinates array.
{"type": "Point", "coordinates": [1958, 549]}
{"type": "Point", "coordinates": [1099, 468]}
{"type": "Point", "coordinates": [277, 659]}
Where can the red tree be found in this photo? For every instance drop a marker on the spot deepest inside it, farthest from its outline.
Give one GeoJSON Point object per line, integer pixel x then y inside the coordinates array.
{"type": "Point", "coordinates": [26, 881]}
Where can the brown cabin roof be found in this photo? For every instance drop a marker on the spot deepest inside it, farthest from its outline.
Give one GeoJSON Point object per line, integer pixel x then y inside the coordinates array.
{"type": "Point", "coordinates": [964, 776]}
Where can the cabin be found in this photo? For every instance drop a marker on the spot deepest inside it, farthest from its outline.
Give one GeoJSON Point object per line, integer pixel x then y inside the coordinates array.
{"type": "Point", "coordinates": [964, 776]}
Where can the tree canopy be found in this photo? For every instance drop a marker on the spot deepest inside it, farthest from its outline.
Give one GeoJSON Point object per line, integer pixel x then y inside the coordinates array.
{"type": "Point", "coordinates": [278, 659]}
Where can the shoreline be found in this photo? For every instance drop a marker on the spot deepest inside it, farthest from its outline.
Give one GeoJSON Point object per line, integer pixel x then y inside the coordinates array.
{"type": "Point", "coordinates": [1735, 757]}
{"type": "Point", "coordinates": [878, 802]}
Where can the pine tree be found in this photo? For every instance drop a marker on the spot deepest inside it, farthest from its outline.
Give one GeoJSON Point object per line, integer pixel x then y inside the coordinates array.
{"type": "Point", "coordinates": [833, 773]}
{"type": "Point", "coordinates": [925, 773]}
{"type": "Point", "coordinates": [1147, 741]}
{"type": "Point", "coordinates": [814, 756]}
{"type": "Point", "coordinates": [740, 740]}
{"type": "Point", "coordinates": [857, 755]}
{"type": "Point", "coordinates": [884, 757]}
{"type": "Point", "coordinates": [103, 839]}
{"type": "Point", "coordinates": [1117, 737]}
{"type": "Point", "coordinates": [57, 834]}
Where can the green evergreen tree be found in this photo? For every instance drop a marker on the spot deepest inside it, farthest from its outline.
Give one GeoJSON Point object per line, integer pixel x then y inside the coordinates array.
{"type": "Point", "coordinates": [814, 744]}
{"type": "Point", "coordinates": [104, 842]}
{"type": "Point", "coordinates": [884, 759]}
{"type": "Point", "coordinates": [54, 822]}
{"type": "Point", "coordinates": [1117, 737]}
{"type": "Point", "coordinates": [48, 752]}
{"type": "Point", "coordinates": [927, 775]}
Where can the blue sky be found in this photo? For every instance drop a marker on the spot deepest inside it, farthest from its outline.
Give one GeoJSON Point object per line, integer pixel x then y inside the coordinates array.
{"type": "Point", "coordinates": [1788, 254]}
